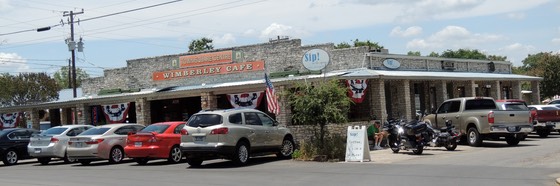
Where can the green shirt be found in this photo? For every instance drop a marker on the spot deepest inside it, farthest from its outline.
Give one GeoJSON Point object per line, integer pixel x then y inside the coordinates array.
{"type": "Point", "coordinates": [371, 130]}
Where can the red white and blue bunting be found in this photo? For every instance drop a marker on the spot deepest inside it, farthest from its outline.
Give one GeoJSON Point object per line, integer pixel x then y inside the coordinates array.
{"type": "Point", "coordinates": [9, 120]}
{"type": "Point", "coordinates": [357, 89]}
{"type": "Point", "coordinates": [116, 113]}
{"type": "Point", "coordinates": [245, 100]}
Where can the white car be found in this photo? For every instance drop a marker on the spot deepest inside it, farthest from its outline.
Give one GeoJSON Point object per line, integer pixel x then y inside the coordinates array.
{"type": "Point", "coordinates": [52, 143]}
{"type": "Point", "coordinates": [235, 134]}
{"type": "Point", "coordinates": [101, 143]}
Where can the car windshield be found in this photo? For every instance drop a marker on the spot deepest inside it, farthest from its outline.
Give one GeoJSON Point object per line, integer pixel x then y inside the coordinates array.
{"type": "Point", "coordinates": [154, 128]}
{"type": "Point", "coordinates": [204, 120]}
{"type": "Point", "coordinates": [54, 131]}
{"type": "Point", "coordinates": [549, 108]}
{"type": "Point", "coordinates": [94, 131]}
{"type": "Point", "coordinates": [515, 106]}
{"type": "Point", "coordinates": [2, 132]}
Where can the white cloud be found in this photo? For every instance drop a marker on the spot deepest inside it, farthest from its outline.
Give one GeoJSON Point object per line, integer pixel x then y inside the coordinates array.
{"type": "Point", "coordinates": [275, 30]}
{"type": "Point", "coordinates": [410, 31]}
{"type": "Point", "coordinates": [224, 40]}
{"type": "Point", "coordinates": [556, 41]}
{"type": "Point", "coordinates": [5, 5]}
{"type": "Point", "coordinates": [517, 16]}
{"type": "Point", "coordinates": [453, 37]}
{"type": "Point", "coordinates": [518, 47]}
{"type": "Point", "coordinates": [13, 62]}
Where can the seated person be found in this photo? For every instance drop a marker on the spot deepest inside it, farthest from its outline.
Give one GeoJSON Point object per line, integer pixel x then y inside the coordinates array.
{"type": "Point", "coordinates": [378, 135]}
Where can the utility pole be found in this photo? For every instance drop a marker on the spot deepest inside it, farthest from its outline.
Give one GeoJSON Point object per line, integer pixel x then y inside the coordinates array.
{"type": "Point", "coordinates": [72, 47]}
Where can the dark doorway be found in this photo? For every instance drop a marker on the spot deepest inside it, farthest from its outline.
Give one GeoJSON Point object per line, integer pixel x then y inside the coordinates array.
{"type": "Point", "coordinates": [177, 109]}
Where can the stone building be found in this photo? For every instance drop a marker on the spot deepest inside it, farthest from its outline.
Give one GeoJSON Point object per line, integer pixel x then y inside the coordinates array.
{"type": "Point", "coordinates": [169, 87]}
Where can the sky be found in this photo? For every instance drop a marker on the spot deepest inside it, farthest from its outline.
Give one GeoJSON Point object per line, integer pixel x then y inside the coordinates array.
{"type": "Point", "coordinates": [114, 31]}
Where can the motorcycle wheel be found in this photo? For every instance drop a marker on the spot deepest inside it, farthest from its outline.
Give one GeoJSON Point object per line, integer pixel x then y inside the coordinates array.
{"type": "Point", "coordinates": [452, 145]}
{"type": "Point", "coordinates": [419, 149]}
{"type": "Point", "coordinates": [395, 144]}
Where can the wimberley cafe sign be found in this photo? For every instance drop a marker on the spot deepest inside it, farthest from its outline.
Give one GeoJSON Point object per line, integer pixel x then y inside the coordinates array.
{"type": "Point", "coordinates": [209, 64]}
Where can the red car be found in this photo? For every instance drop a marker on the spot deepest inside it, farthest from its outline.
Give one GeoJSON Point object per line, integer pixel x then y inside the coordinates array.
{"type": "Point", "coordinates": [156, 141]}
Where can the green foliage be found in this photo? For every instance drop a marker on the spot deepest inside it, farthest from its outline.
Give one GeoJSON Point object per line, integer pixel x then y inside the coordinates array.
{"type": "Point", "coordinates": [334, 148]}
{"type": "Point", "coordinates": [61, 77]}
{"type": "Point", "coordinates": [201, 44]}
{"type": "Point", "coordinates": [415, 53]}
{"type": "Point", "coordinates": [534, 65]}
{"type": "Point", "coordinates": [550, 85]}
{"type": "Point", "coordinates": [27, 88]}
{"type": "Point", "coordinates": [319, 104]}
{"type": "Point", "coordinates": [358, 43]}
{"type": "Point", "coordinates": [433, 54]}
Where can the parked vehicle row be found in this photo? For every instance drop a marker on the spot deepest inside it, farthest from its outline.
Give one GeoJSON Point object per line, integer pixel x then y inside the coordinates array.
{"type": "Point", "coordinates": [235, 134]}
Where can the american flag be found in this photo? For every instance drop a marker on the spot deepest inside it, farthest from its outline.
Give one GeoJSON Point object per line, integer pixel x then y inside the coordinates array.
{"type": "Point", "coordinates": [271, 96]}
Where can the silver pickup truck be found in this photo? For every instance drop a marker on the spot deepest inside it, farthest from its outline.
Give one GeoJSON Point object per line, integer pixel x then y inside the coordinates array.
{"type": "Point", "coordinates": [479, 118]}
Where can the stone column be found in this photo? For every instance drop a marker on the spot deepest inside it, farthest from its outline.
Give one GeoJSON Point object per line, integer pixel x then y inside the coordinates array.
{"type": "Point", "coordinates": [516, 90]}
{"type": "Point", "coordinates": [470, 89]}
{"type": "Point", "coordinates": [143, 111]}
{"type": "Point", "coordinates": [285, 112]}
{"type": "Point", "coordinates": [84, 114]}
{"type": "Point", "coordinates": [35, 119]}
{"type": "Point", "coordinates": [64, 116]}
{"type": "Point", "coordinates": [536, 93]}
{"type": "Point", "coordinates": [404, 103]}
{"type": "Point", "coordinates": [496, 90]}
{"type": "Point", "coordinates": [377, 96]}
{"type": "Point", "coordinates": [441, 92]}
{"type": "Point", "coordinates": [208, 101]}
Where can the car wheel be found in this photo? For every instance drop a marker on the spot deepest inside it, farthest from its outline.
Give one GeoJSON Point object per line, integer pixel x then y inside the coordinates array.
{"type": "Point", "coordinates": [287, 149]}
{"type": "Point", "coordinates": [452, 145]}
{"type": "Point", "coordinates": [10, 157]}
{"type": "Point", "coordinates": [84, 162]}
{"type": "Point", "coordinates": [175, 155]}
{"type": "Point", "coordinates": [395, 144]}
{"type": "Point", "coordinates": [241, 155]}
{"type": "Point", "coordinates": [419, 149]}
{"type": "Point", "coordinates": [67, 159]}
{"type": "Point", "coordinates": [44, 161]}
{"type": "Point", "coordinates": [141, 161]}
{"type": "Point", "coordinates": [512, 140]}
{"type": "Point", "coordinates": [194, 162]}
{"type": "Point", "coordinates": [116, 155]}
{"type": "Point", "coordinates": [473, 137]}
{"type": "Point", "coordinates": [543, 133]}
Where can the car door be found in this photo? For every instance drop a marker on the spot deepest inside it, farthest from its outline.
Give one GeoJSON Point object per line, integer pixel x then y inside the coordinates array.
{"type": "Point", "coordinates": [253, 122]}
{"type": "Point", "coordinates": [19, 139]}
{"type": "Point", "coordinates": [274, 136]}
{"type": "Point", "coordinates": [448, 111]}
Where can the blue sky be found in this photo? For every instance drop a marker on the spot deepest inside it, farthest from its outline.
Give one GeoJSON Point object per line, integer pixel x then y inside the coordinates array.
{"type": "Point", "coordinates": [512, 28]}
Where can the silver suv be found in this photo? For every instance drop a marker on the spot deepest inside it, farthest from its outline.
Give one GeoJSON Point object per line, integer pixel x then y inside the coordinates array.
{"type": "Point", "coordinates": [235, 134]}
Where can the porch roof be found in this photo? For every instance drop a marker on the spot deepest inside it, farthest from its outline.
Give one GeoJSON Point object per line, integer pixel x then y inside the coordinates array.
{"type": "Point", "coordinates": [431, 75]}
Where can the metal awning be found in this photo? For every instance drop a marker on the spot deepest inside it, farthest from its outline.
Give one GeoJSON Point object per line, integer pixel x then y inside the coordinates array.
{"type": "Point", "coordinates": [430, 75]}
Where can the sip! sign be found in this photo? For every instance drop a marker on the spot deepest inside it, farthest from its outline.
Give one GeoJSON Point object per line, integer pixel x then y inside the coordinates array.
{"type": "Point", "coordinates": [315, 59]}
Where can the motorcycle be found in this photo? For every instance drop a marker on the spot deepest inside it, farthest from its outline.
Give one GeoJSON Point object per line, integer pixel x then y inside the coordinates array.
{"type": "Point", "coordinates": [446, 136]}
{"type": "Point", "coordinates": [407, 136]}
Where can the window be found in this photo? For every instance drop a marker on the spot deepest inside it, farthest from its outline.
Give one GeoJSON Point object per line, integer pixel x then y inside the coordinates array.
{"type": "Point", "coordinates": [235, 118]}
{"type": "Point", "coordinates": [54, 131]}
{"type": "Point", "coordinates": [480, 104]}
{"type": "Point", "coordinates": [95, 131]}
{"type": "Point", "coordinates": [515, 106]}
{"type": "Point", "coordinates": [154, 128]}
{"type": "Point", "coordinates": [549, 108]}
{"type": "Point", "coordinates": [74, 132]}
{"type": "Point", "coordinates": [251, 118]}
{"type": "Point", "coordinates": [266, 121]}
{"type": "Point", "coordinates": [178, 129]}
{"type": "Point", "coordinates": [19, 134]}
{"type": "Point", "coordinates": [204, 120]}
{"type": "Point", "coordinates": [449, 107]}
{"type": "Point", "coordinates": [125, 130]}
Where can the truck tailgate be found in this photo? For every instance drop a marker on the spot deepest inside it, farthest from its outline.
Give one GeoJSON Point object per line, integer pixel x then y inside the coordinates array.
{"type": "Point", "coordinates": [510, 117]}
{"type": "Point", "coordinates": [548, 115]}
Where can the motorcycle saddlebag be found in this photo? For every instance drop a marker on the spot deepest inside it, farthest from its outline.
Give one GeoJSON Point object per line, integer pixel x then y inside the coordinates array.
{"type": "Point", "coordinates": [417, 129]}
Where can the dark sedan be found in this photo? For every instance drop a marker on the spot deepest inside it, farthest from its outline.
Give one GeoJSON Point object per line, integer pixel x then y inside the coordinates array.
{"type": "Point", "coordinates": [13, 144]}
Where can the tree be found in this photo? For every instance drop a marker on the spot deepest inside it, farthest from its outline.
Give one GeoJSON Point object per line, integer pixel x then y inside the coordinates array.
{"type": "Point", "coordinates": [433, 54]}
{"type": "Point", "coordinates": [62, 78]}
{"type": "Point", "coordinates": [415, 53]}
{"type": "Point", "coordinates": [201, 44]}
{"type": "Point", "coordinates": [546, 65]}
{"type": "Point", "coordinates": [358, 43]}
{"type": "Point", "coordinates": [27, 88]}
{"type": "Point", "coordinates": [470, 54]}
{"type": "Point", "coordinates": [319, 104]}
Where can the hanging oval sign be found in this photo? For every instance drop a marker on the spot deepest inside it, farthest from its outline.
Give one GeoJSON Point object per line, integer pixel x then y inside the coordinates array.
{"type": "Point", "coordinates": [391, 63]}
{"type": "Point", "coordinates": [315, 59]}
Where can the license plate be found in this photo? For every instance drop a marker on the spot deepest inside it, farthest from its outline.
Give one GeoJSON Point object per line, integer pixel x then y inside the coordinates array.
{"type": "Point", "coordinates": [138, 144]}
{"type": "Point", "coordinates": [512, 129]}
{"type": "Point", "coordinates": [37, 150]}
{"type": "Point", "coordinates": [199, 138]}
{"type": "Point", "coordinates": [79, 144]}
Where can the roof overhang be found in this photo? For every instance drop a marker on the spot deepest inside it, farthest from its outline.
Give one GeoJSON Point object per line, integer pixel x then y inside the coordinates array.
{"type": "Point", "coordinates": [430, 75]}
